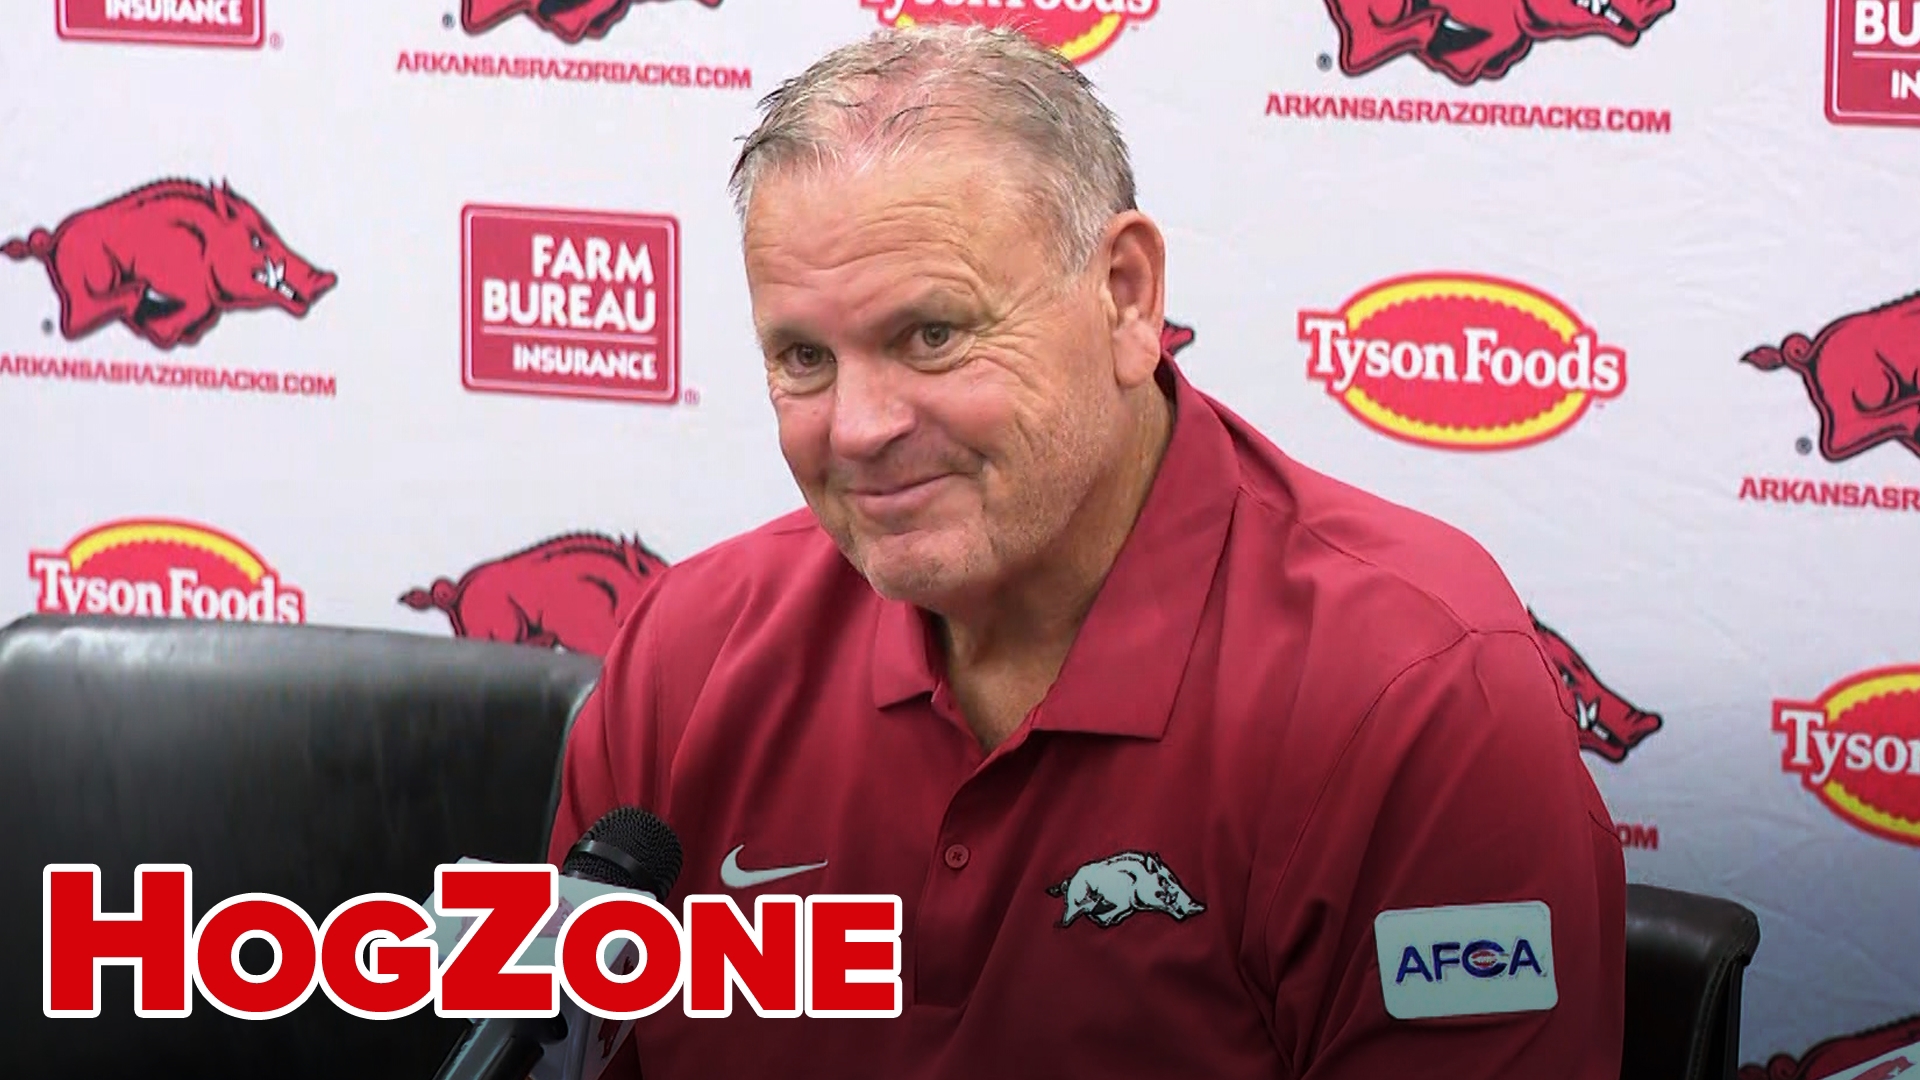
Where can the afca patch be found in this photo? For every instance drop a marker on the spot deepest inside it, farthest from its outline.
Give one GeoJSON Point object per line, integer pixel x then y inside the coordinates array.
{"type": "Point", "coordinates": [1466, 960]}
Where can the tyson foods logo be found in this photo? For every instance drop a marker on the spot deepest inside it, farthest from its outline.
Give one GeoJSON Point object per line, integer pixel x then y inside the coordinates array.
{"type": "Point", "coordinates": [571, 304]}
{"type": "Point", "coordinates": [1461, 361]}
{"type": "Point", "coordinates": [234, 23]}
{"type": "Point", "coordinates": [572, 21]}
{"type": "Point", "coordinates": [1471, 40]}
{"type": "Point", "coordinates": [167, 260]}
{"type": "Point", "coordinates": [162, 568]}
{"type": "Point", "coordinates": [1857, 749]}
{"type": "Point", "coordinates": [1078, 29]}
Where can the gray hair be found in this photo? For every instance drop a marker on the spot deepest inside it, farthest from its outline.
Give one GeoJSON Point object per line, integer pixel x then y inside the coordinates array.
{"type": "Point", "coordinates": [870, 100]}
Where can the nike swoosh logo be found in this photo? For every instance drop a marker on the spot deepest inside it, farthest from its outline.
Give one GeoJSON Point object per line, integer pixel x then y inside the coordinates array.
{"type": "Point", "coordinates": [735, 878]}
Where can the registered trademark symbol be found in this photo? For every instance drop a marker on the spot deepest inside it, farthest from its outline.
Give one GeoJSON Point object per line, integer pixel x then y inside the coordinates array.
{"type": "Point", "coordinates": [275, 40]}
{"type": "Point", "coordinates": [690, 396]}
{"type": "Point", "coordinates": [46, 326]}
{"type": "Point", "coordinates": [1803, 445]}
{"type": "Point", "coordinates": [1325, 63]}
{"type": "Point", "coordinates": [446, 22]}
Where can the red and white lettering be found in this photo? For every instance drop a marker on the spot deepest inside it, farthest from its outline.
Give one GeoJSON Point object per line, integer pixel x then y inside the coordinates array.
{"type": "Point", "coordinates": [78, 939]}
{"type": "Point", "coordinates": [853, 956]}
{"type": "Point", "coordinates": [232, 989]}
{"type": "Point", "coordinates": [376, 956]}
{"type": "Point", "coordinates": [512, 903]}
{"type": "Point", "coordinates": [581, 954]}
{"type": "Point", "coordinates": [762, 959]}
{"type": "Point", "coordinates": [397, 977]}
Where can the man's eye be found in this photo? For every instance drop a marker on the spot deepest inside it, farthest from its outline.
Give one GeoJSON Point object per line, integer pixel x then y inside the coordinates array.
{"type": "Point", "coordinates": [806, 357]}
{"type": "Point", "coordinates": [936, 335]}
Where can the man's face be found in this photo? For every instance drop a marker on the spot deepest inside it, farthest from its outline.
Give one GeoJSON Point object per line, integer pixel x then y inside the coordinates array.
{"type": "Point", "coordinates": [944, 389]}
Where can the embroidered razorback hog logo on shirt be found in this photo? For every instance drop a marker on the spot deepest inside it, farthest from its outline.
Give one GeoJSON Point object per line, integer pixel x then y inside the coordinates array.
{"type": "Point", "coordinates": [1108, 890]}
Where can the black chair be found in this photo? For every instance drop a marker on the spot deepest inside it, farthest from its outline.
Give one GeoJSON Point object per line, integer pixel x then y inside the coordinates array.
{"type": "Point", "coordinates": [313, 763]}
{"type": "Point", "coordinates": [1687, 957]}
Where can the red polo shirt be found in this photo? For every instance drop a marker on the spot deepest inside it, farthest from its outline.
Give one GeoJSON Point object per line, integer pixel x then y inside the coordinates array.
{"type": "Point", "coordinates": [1307, 796]}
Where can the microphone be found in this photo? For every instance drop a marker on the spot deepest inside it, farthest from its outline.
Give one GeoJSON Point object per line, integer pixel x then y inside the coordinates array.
{"type": "Point", "coordinates": [628, 850]}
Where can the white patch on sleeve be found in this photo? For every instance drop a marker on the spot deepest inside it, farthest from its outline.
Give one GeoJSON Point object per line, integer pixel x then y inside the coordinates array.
{"type": "Point", "coordinates": [1466, 960]}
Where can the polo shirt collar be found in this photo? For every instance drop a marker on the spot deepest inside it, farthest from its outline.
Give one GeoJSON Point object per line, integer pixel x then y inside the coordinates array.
{"type": "Point", "coordinates": [1126, 663]}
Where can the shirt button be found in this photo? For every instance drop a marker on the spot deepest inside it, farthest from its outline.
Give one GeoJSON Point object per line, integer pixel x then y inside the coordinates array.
{"type": "Point", "coordinates": [957, 856]}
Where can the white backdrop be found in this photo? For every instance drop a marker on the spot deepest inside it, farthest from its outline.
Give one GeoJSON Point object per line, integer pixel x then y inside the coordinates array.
{"type": "Point", "coordinates": [1714, 545]}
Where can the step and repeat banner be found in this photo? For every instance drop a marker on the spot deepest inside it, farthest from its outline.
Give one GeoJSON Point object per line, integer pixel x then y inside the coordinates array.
{"type": "Point", "coordinates": [428, 316]}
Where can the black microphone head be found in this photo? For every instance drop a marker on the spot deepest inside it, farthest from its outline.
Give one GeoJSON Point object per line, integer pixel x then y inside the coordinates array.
{"type": "Point", "coordinates": [627, 848]}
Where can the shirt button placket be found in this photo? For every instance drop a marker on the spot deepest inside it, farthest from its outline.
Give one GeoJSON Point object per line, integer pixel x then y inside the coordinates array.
{"type": "Point", "coordinates": [948, 908]}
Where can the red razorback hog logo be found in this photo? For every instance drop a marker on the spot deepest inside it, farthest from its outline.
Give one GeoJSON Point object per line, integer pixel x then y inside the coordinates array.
{"type": "Point", "coordinates": [167, 260]}
{"type": "Point", "coordinates": [572, 21]}
{"type": "Point", "coordinates": [569, 592]}
{"type": "Point", "coordinates": [1857, 749]}
{"type": "Point", "coordinates": [1610, 725]}
{"type": "Point", "coordinates": [1460, 361]}
{"type": "Point", "coordinates": [1890, 1051]}
{"type": "Point", "coordinates": [1077, 29]}
{"type": "Point", "coordinates": [1471, 40]}
{"type": "Point", "coordinates": [1863, 375]}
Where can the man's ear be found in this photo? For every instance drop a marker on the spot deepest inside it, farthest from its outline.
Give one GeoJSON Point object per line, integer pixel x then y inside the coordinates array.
{"type": "Point", "coordinates": [1136, 262]}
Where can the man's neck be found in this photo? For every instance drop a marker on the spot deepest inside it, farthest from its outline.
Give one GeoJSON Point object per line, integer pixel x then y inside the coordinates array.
{"type": "Point", "coordinates": [1003, 655]}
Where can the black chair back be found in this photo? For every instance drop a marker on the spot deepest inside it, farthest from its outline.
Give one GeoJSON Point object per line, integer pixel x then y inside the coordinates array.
{"type": "Point", "coordinates": [317, 764]}
{"type": "Point", "coordinates": [1687, 957]}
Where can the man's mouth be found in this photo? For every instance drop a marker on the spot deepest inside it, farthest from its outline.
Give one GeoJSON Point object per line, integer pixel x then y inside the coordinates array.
{"type": "Point", "coordinates": [892, 500]}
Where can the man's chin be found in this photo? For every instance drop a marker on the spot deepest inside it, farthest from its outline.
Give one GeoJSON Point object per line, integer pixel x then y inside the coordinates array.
{"type": "Point", "coordinates": [916, 569]}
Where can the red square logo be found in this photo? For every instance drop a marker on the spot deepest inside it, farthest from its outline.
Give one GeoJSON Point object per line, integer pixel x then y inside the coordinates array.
{"type": "Point", "coordinates": [1873, 62]}
{"type": "Point", "coordinates": [235, 23]}
{"type": "Point", "coordinates": [571, 303]}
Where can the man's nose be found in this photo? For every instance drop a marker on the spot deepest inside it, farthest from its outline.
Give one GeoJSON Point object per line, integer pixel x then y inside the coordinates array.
{"type": "Point", "coordinates": [870, 407]}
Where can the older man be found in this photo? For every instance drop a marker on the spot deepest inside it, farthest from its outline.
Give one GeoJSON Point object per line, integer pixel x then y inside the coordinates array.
{"type": "Point", "coordinates": [1184, 759]}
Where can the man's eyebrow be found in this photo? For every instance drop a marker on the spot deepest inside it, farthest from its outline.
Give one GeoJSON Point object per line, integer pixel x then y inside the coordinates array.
{"type": "Point", "coordinates": [776, 333]}
{"type": "Point", "coordinates": [938, 298]}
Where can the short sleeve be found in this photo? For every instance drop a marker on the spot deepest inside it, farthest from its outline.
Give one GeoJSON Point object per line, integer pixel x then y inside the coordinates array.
{"type": "Point", "coordinates": [1460, 810]}
{"type": "Point", "coordinates": [609, 756]}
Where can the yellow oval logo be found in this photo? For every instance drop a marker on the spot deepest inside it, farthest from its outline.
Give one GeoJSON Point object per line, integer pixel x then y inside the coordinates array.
{"type": "Point", "coordinates": [1461, 361]}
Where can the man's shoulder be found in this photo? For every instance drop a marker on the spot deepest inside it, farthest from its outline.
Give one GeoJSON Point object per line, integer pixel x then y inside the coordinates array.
{"type": "Point", "coordinates": [754, 576]}
{"type": "Point", "coordinates": [1368, 559]}
{"type": "Point", "coordinates": [1371, 601]}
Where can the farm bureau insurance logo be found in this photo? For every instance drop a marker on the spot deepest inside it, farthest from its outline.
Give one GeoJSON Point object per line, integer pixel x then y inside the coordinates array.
{"type": "Point", "coordinates": [167, 260]}
{"type": "Point", "coordinates": [1861, 375]}
{"type": "Point", "coordinates": [1078, 29]}
{"type": "Point", "coordinates": [571, 303]}
{"type": "Point", "coordinates": [1873, 62]}
{"type": "Point", "coordinates": [1461, 361]}
{"type": "Point", "coordinates": [231, 23]}
{"type": "Point", "coordinates": [1857, 749]}
{"type": "Point", "coordinates": [163, 568]}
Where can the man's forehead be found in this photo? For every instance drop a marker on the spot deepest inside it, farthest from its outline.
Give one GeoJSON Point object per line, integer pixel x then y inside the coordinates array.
{"type": "Point", "coordinates": [815, 227]}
